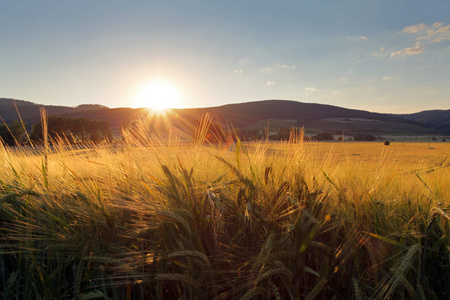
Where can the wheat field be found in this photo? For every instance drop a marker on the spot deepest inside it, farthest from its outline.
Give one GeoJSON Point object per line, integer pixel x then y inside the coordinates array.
{"type": "Point", "coordinates": [161, 218]}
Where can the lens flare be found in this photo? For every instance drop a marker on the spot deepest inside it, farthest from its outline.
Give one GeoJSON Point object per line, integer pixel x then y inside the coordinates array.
{"type": "Point", "coordinates": [158, 96]}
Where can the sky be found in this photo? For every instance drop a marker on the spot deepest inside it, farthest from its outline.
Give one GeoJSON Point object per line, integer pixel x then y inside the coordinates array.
{"type": "Point", "coordinates": [381, 56]}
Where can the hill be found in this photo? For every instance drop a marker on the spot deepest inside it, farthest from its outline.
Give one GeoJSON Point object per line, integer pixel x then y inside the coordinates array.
{"type": "Point", "coordinates": [438, 118]}
{"type": "Point", "coordinates": [315, 117]}
{"type": "Point", "coordinates": [30, 112]}
{"type": "Point", "coordinates": [255, 115]}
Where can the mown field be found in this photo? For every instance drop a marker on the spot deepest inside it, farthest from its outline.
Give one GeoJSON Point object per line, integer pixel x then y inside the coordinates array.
{"type": "Point", "coordinates": [148, 219]}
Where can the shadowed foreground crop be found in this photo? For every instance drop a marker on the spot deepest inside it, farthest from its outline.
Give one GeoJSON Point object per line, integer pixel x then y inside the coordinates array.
{"type": "Point", "coordinates": [156, 218]}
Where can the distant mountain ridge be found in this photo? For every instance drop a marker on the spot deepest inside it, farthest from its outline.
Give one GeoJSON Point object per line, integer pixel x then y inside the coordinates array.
{"type": "Point", "coordinates": [250, 112]}
{"type": "Point", "coordinates": [245, 115]}
{"type": "Point", "coordinates": [439, 118]}
{"type": "Point", "coordinates": [30, 112]}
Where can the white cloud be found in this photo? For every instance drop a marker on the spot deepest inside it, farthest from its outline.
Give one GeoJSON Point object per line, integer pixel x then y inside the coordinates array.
{"type": "Point", "coordinates": [418, 49]}
{"type": "Point", "coordinates": [414, 28]}
{"type": "Point", "coordinates": [388, 78]}
{"type": "Point", "coordinates": [444, 33]}
{"type": "Point", "coordinates": [284, 66]}
{"type": "Point", "coordinates": [269, 82]}
{"type": "Point", "coordinates": [425, 35]}
{"type": "Point", "coordinates": [363, 37]}
{"type": "Point", "coordinates": [312, 89]}
{"type": "Point", "coordinates": [435, 33]}
{"type": "Point", "coordinates": [379, 53]}
{"type": "Point", "coordinates": [277, 66]}
{"type": "Point", "coordinates": [238, 71]}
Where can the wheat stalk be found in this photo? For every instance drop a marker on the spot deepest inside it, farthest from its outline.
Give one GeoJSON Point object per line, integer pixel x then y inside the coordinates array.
{"type": "Point", "coordinates": [408, 287]}
{"type": "Point", "coordinates": [438, 211]}
{"type": "Point", "coordinates": [262, 256]}
{"type": "Point", "coordinates": [407, 260]}
{"type": "Point", "coordinates": [191, 253]}
{"type": "Point", "coordinates": [178, 277]}
{"type": "Point", "coordinates": [79, 278]}
{"type": "Point", "coordinates": [399, 272]}
{"type": "Point", "coordinates": [317, 288]}
{"type": "Point", "coordinates": [278, 270]}
{"type": "Point", "coordinates": [174, 216]}
{"type": "Point", "coordinates": [253, 292]}
{"type": "Point", "coordinates": [103, 260]}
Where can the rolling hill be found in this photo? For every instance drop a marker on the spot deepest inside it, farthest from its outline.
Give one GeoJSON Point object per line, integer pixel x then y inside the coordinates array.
{"type": "Point", "coordinates": [438, 118]}
{"type": "Point", "coordinates": [30, 112]}
{"type": "Point", "coordinates": [255, 115]}
{"type": "Point", "coordinates": [315, 117]}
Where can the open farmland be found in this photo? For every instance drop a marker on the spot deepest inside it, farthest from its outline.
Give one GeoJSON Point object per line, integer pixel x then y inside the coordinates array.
{"type": "Point", "coordinates": [148, 219]}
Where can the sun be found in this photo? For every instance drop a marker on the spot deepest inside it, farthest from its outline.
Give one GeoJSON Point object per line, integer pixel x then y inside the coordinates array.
{"type": "Point", "coordinates": [158, 96]}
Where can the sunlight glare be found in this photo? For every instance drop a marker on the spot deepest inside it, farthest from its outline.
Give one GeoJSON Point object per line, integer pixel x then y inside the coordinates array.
{"type": "Point", "coordinates": [159, 96]}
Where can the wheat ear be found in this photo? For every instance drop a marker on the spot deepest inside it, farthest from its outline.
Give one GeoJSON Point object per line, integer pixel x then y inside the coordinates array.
{"type": "Point", "coordinates": [196, 254]}
{"type": "Point", "coordinates": [275, 290]}
{"type": "Point", "coordinates": [174, 216]}
{"type": "Point", "coordinates": [92, 295]}
{"type": "Point", "coordinates": [277, 270]}
{"type": "Point", "coordinates": [319, 286]}
{"type": "Point", "coordinates": [356, 288]}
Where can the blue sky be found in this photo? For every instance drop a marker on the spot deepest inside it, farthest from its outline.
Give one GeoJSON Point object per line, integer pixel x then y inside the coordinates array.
{"type": "Point", "coordinates": [383, 56]}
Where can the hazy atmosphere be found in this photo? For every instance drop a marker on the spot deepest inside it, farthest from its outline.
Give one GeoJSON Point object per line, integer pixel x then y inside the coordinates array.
{"type": "Point", "coordinates": [223, 150]}
{"type": "Point", "coordinates": [382, 56]}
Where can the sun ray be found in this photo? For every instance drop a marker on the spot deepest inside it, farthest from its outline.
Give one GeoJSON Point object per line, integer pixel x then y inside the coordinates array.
{"type": "Point", "coordinates": [158, 96]}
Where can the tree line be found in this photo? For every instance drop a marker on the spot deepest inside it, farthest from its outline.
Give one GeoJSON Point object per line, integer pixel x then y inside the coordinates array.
{"type": "Point", "coordinates": [84, 130]}
{"type": "Point", "coordinates": [72, 130]}
{"type": "Point", "coordinates": [285, 134]}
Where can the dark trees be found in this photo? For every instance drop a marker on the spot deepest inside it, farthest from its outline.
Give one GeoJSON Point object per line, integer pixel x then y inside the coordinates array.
{"type": "Point", "coordinates": [247, 135]}
{"type": "Point", "coordinates": [364, 137]}
{"type": "Point", "coordinates": [292, 134]}
{"type": "Point", "coordinates": [324, 136]}
{"type": "Point", "coordinates": [12, 134]}
{"type": "Point", "coordinates": [74, 130]}
{"type": "Point", "coordinates": [283, 134]}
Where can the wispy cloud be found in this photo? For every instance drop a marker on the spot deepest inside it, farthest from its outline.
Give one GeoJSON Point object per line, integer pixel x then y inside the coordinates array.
{"type": "Point", "coordinates": [336, 93]}
{"type": "Point", "coordinates": [269, 82]}
{"type": "Point", "coordinates": [417, 49]}
{"type": "Point", "coordinates": [379, 53]}
{"type": "Point", "coordinates": [388, 78]}
{"type": "Point", "coordinates": [425, 34]}
{"type": "Point", "coordinates": [434, 33]}
{"type": "Point", "coordinates": [312, 89]}
{"type": "Point", "coordinates": [238, 71]}
{"type": "Point", "coordinates": [363, 37]}
{"type": "Point", "coordinates": [284, 66]}
{"type": "Point", "coordinates": [276, 67]}
{"type": "Point", "coordinates": [444, 33]}
{"type": "Point", "coordinates": [414, 28]}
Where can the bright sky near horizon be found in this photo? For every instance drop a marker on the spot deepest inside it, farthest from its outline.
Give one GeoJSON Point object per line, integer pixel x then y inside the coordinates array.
{"type": "Point", "coordinates": [381, 56]}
